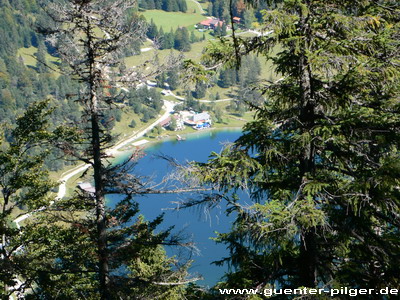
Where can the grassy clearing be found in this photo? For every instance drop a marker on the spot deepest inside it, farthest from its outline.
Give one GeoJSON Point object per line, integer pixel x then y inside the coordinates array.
{"type": "Point", "coordinates": [29, 60]}
{"type": "Point", "coordinates": [15, 213]}
{"type": "Point", "coordinates": [194, 54]}
{"type": "Point", "coordinates": [168, 20]}
{"type": "Point", "coordinates": [207, 34]}
{"type": "Point", "coordinates": [147, 44]}
{"type": "Point", "coordinates": [28, 53]}
{"type": "Point", "coordinates": [224, 93]}
{"type": "Point", "coordinates": [122, 128]}
{"type": "Point", "coordinates": [197, 51]}
{"type": "Point", "coordinates": [72, 184]}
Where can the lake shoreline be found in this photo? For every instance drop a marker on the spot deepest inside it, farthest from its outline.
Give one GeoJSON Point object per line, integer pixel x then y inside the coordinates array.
{"type": "Point", "coordinates": [170, 137]}
{"type": "Point", "coordinates": [196, 223]}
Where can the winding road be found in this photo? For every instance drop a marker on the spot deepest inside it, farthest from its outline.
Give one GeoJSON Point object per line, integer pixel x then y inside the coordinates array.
{"type": "Point", "coordinates": [168, 106]}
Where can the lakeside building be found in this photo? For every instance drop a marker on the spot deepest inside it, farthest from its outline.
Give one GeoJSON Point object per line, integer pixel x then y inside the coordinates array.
{"type": "Point", "coordinates": [179, 122]}
{"type": "Point", "coordinates": [199, 121]}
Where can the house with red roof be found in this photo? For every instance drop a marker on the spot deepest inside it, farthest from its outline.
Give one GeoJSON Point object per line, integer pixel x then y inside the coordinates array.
{"type": "Point", "coordinates": [237, 20]}
{"type": "Point", "coordinates": [210, 23]}
{"type": "Point", "coordinates": [167, 122]}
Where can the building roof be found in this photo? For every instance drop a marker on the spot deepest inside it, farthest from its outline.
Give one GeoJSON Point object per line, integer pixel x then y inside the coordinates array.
{"type": "Point", "coordinates": [237, 19]}
{"type": "Point", "coordinates": [206, 22]}
{"type": "Point", "coordinates": [201, 116]}
{"type": "Point", "coordinates": [213, 22]}
{"type": "Point", "coordinates": [168, 120]}
{"type": "Point", "coordinates": [217, 22]}
{"type": "Point", "coordinates": [87, 187]}
{"type": "Point", "coordinates": [165, 122]}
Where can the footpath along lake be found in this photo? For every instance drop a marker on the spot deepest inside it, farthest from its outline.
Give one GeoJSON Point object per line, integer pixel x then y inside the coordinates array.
{"type": "Point", "coordinates": [195, 222]}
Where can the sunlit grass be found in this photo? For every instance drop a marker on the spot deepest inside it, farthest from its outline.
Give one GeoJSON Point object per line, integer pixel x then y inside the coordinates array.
{"type": "Point", "coordinates": [168, 20]}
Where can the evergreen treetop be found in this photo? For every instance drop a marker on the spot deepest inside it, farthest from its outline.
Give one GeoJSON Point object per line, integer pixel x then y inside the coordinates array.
{"type": "Point", "coordinates": [321, 159]}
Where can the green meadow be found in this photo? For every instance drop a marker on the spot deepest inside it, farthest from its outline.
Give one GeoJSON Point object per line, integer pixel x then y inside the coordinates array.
{"type": "Point", "coordinates": [27, 55]}
{"type": "Point", "coordinates": [168, 20]}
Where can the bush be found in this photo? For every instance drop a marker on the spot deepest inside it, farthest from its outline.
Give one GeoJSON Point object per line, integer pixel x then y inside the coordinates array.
{"type": "Point", "coordinates": [132, 124]}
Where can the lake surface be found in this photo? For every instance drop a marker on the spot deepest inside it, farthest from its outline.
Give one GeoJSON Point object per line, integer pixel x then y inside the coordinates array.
{"type": "Point", "coordinates": [197, 223]}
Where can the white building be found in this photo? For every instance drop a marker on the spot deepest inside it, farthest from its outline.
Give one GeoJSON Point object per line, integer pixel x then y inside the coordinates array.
{"type": "Point", "coordinates": [204, 116]}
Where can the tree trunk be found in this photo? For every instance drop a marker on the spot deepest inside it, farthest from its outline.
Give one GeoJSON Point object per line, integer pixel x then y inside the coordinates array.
{"type": "Point", "coordinates": [308, 249]}
{"type": "Point", "coordinates": [308, 260]}
{"type": "Point", "coordinates": [3, 238]}
{"type": "Point", "coordinates": [100, 210]}
{"type": "Point", "coordinates": [98, 173]}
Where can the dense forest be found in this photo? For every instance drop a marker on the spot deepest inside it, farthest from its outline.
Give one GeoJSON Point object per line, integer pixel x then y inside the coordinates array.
{"type": "Point", "coordinates": [319, 162]}
{"type": "Point", "coordinates": [21, 85]}
{"type": "Point", "coordinates": [167, 5]}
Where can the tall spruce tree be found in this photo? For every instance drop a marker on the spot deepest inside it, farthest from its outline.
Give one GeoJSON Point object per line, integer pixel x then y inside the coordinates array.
{"type": "Point", "coordinates": [90, 37]}
{"type": "Point", "coordinates": [321, 159]}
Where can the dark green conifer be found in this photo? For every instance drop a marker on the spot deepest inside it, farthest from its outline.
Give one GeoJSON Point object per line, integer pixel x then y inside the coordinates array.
{"type": "Point", "coordinates": [321, 159]}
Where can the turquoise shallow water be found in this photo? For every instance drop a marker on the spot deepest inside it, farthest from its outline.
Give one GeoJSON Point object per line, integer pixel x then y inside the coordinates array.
{"type": "Point", "coordinates": [196, 223]}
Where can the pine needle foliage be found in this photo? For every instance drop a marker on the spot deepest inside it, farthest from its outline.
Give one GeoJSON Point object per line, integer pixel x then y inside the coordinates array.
{"type": "Point", "coordinates": [321, 159]}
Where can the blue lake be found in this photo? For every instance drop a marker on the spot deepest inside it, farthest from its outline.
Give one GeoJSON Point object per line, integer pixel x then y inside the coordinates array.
{"type": "Point", "coordinates": [196, 223]}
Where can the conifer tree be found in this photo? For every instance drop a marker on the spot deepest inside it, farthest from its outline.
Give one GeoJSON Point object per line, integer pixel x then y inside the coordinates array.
{"type": "Point", "coordinates": [173, 79]}
{"type": "Point", "coordinates": [200, 90]}
{"type": "Point", "coordinates": [217, 31]}
{"type": "Point", "coordinates": [158, 4]}
{"type": "Point", "coordinates": [41, 58]}
{"type": "Point", "coordinates": [209, 9]}
{"type": "Point", "coordinates": [168, 41]}
{"type": "Point", "coordinates": [193, 37]}
{"type": "Point", "coordinates": [321, 159]}
{"type": "Point", "coordinates": [223, 29]}
{"type": "Point", "coordinates": [161, 34]}
{"type": "Point", "coordinates": [150, 4]}
{"type": "Point", "coordinates": [182, 5]}
{"type": "Point", "coordinates": [152, 31]}
{"type": "Point", "coordinates": [248, 18]}
{"type": "Point", "coordinates": [182, 41]}
{"type": "Point", "coordinates": [90, 37]}
{"type": "Point", "coordinates": [23, 183]}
